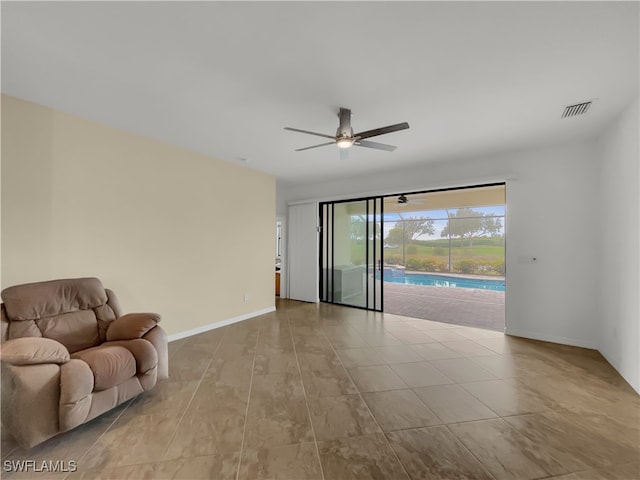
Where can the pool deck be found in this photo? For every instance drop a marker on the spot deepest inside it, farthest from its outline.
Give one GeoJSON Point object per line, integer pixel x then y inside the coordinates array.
{"type": "Point", "coordinates": [460, 306]}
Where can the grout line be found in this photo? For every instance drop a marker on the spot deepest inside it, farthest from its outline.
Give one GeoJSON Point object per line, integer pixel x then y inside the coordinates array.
{"type": "Point", "coordinates": [7, 454]}
{"type": "Point", "coordinates": [184, 413]}
{"type": "Point", "coordinates": [486, 469]}
{"type": "Point", "coordinates": [180, 347]}
{"type": "Point", "coordinates": [422, 401]}
{"type": "Point", "coordinates": [130, 401]}
{"type": "Point", "coordinates": [164, 452]}
{"type": "Point", "coordinates": [246, 411]}
{"type": "Point", "coordinates": [461, 384]}
{"type": "Point", "coordinates": [384, 435]}
{"type": "Point", "coordinates": [306, 399]}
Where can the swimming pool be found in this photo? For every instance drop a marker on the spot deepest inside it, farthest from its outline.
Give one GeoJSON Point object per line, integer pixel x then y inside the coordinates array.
{"type": "Point", "coordinates": [444, 281]}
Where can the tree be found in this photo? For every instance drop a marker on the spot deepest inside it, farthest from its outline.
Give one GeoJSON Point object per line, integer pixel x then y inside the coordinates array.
{"type": "Point", "coordinates": [491, 226]}
{"type": "Point", "coordinates": [463, 223]}
{"type": "Point", "coordinates": [358, 228]}
{"type": "Point", "coordinates": [416, 226]}
{"type": "Point", "coordinates": [466, 223]}
{"type": "Point", "coordinates": [394, 236]}
{"type": "Point", "coordinates": [409, 229]}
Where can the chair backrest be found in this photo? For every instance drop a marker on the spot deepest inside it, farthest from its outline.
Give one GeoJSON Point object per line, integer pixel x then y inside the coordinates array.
{"type": "Point", "coordinates": [76, 312]}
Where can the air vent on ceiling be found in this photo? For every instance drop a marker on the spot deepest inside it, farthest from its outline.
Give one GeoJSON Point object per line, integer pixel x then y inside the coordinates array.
{"type": "Point", "coordinates": [577, 109]}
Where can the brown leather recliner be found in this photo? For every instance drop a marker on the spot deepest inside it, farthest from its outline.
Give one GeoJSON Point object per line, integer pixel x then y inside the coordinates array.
{"type": "Point", "coordinates": [69, 355]}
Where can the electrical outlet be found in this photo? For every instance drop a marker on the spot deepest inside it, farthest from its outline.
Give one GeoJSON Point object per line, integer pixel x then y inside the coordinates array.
{"type": "Point", "coordinates": [524, 259]}
{"type": "Point", "coordinates": [246, 297]}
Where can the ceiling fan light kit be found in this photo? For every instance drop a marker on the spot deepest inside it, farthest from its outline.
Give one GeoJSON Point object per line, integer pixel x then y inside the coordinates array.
{"type": "Point", "coordinates": [345, 138]}
{"type": "Point", "coordinates": [344, 143]}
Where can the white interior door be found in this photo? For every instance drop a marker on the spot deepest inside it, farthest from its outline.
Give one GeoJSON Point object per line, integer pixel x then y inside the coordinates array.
{"type": "Point", "coordinates": [303, 252]}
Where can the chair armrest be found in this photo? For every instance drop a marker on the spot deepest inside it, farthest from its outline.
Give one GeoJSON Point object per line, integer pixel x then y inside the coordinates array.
{"type": "Point", "coordinates": [131, 326]}
{"type": "Point", "coordinates": [33, 351]}
{"type": "Point", "coordinates": [158, 338]}
{"type": "Point", "coordinates": [76, 385]}
{"type": "Point", "coordinates": [30, 401]}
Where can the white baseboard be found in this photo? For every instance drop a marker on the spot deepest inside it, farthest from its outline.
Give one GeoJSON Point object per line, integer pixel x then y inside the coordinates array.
{"type": "Point", "coordinates": [574, 342]}
{"type": "Point", "coordinates": [617, 364]}
{"type": "Point", "coordinates": [221, 323]}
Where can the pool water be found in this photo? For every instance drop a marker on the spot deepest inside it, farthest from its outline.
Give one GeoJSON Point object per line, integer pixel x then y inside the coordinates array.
{"type": "Point", "coordinates": [442, 281]}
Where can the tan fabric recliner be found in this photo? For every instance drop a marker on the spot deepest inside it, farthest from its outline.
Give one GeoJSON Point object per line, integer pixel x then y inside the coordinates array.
{"type": "Point", "coordinates": [69, 355]}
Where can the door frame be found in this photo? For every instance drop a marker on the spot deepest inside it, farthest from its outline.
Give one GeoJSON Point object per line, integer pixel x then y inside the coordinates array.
{"type": "Point", "coordinates": [381, 198]}
{"type": "Point", "coordinates": [324, 262]}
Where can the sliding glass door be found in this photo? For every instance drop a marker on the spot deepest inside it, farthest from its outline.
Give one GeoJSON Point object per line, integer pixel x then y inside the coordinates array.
{"type": "Point", "coordinates": [437, 254]}
{"type": "Point", "coordinates": [351, 253]}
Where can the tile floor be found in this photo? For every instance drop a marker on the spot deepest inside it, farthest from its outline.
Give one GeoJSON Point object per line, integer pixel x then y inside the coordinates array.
{"type": "Point", "coordinates": [328, 392]}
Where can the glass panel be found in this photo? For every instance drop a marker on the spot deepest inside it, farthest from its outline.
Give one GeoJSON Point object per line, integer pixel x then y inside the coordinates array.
{"type": "Point", "coordinates": [444, 256]}
{"type": "Point", "coordinates": [461, 240]}
{"type": "Point", "coordinates": [326, 252]}
{"type": "Point", "coordinates": [417, 239]}
{"type": "Point", "coordinates": [351, 253]}
{"type": "Point", "coordinates": [378, 259]}
{"type": "Point", "coordinates": [349, 273]}
{"type": "Point", "coordinates": [323, 252]}
{"type": "Point", "coordinates": [371, 254]}
{"type": "Point", "coordinates": [476, 238]}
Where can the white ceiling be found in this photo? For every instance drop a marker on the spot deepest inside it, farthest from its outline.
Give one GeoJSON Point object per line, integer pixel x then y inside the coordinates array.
{"type": "Point", "coordinates": [224, 78]}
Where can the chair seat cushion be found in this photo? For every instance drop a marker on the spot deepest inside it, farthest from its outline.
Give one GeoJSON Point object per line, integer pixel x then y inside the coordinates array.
{"type": "Point", "coordinates": [143, 351]}
{"type": "Point", "coordinates": [111, 365]}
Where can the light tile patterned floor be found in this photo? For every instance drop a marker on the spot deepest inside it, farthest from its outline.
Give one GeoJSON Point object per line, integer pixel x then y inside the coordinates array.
{"type": "Point", "coordinates": [327, 392]}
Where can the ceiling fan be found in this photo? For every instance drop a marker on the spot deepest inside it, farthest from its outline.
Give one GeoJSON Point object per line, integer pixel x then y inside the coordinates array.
{"type": "Point", "coordinates": [345, 138]}
{"type": "Point", "coordinates": [403, 200]}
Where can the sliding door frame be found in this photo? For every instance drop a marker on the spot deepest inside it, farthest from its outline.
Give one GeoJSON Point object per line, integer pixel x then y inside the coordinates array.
{"type": "Point", "coordinates": [326, 215]}
{"type": "Point", "coordinates": [326, 255]}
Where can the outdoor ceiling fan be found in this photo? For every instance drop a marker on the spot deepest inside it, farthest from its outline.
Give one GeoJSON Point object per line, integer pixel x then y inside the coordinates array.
{"type": "Point", "coordinates": [345, 138]}
{"type": "Point", "coordinates": [403, 200]}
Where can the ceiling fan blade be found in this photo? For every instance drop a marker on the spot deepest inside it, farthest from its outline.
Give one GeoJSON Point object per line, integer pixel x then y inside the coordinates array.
{"type": "Point", "coordinates": [376, 145]}
{"type": "Point", "coordinates": [381, 131]}
{"type": "Point", "coordinates": [310, 133]}
{"type": "Point", "coordinates": [315, 146]}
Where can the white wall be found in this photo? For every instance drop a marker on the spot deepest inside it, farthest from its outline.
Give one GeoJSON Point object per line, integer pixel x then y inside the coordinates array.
{"type": "Point", "coordinates": [619, 291]}
{"type": "Point", "coordinates": [552, 208]}
{"type": "Point", "coordinates": [167, 229]}
{"type": "Point", "coordinates": [302, 278]}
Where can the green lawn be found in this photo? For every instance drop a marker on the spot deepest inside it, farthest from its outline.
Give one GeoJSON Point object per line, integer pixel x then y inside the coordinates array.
{"type": "Point", "coordinates": [477, 259]}
{"type": "Point", "coordinates": [493, 252]}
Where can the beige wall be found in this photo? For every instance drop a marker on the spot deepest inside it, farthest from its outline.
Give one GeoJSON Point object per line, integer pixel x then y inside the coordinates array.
{"type": "Point", "coordinates": [167, 229]}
